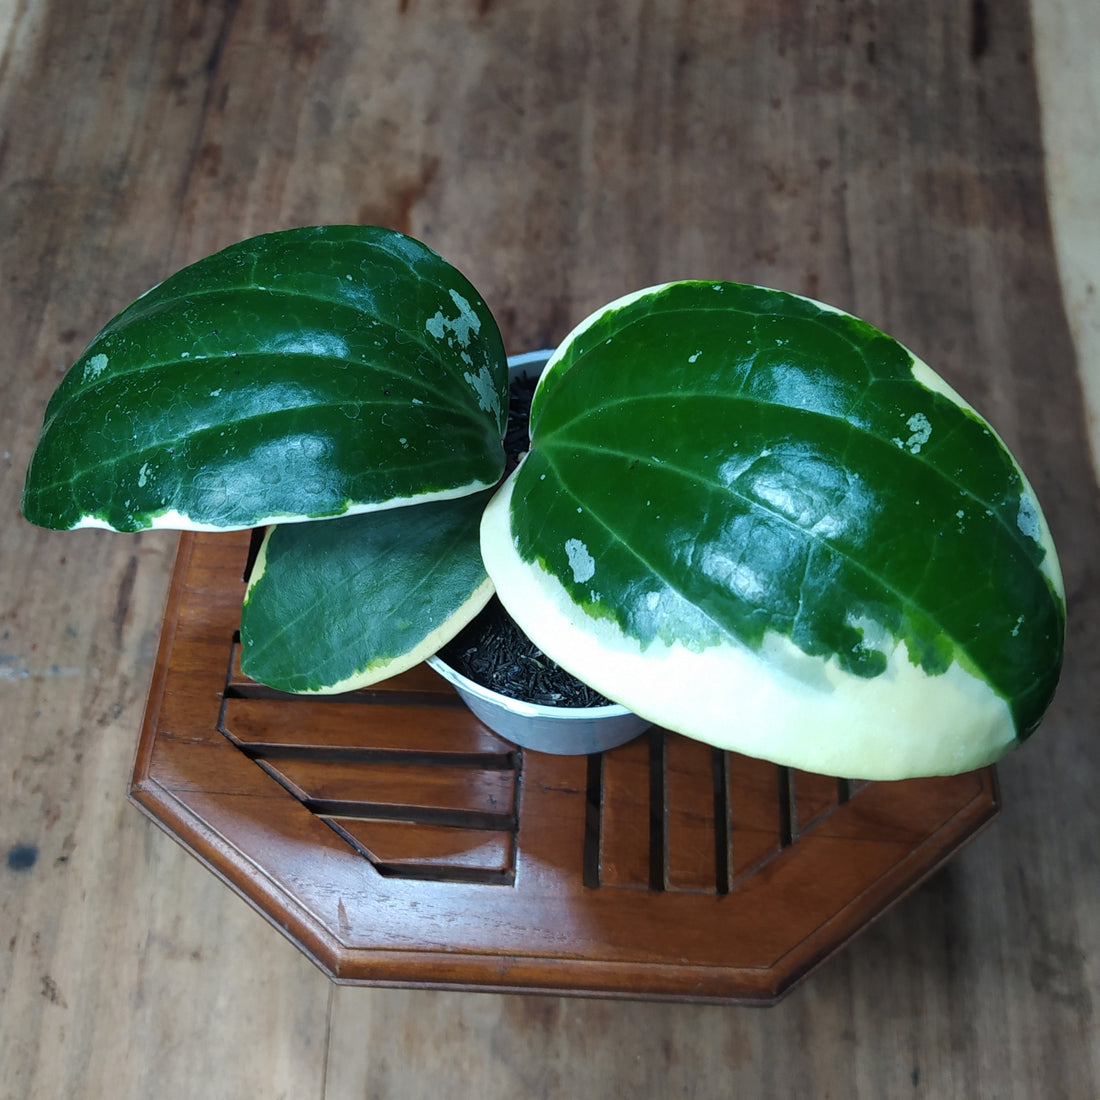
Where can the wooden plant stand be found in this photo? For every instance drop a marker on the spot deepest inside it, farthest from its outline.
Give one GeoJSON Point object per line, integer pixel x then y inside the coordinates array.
{"type": "Point", "coordinates": [397, 841]}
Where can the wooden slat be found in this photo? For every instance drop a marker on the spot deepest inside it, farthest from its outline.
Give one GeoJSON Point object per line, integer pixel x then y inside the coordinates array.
{"type": "Point", "coordinates": [624, 816]}
{"type": "Point", "coordinates": [428, 787]}
{"type": "Point", "coordinates": [814, 796]}
{"type": "Point", "coordinates": [691, 829]}
{"type": "Point", "coordinates": [263, 724]}
{"type": "Point", "coordinates": [756, 817]}
{"type": "Point", "coordinates": [400, 844]}
{"type": "Point", "coordinates": [551, 837]}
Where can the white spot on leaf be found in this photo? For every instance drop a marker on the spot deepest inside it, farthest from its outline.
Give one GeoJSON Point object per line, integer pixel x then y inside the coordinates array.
{"type": "Point", "coordinates": [462, 326]}
{"type": "Point", "coordinates": [466, 322]}
{"type": "Point", "coordinates": [921, 430]}
{"type": "Point", "coordinates": [580, 561]}
{"type": "Point", "coordinates": [1027, 519]}
{"type": "Point", "coordinates": [482, 382]}
{"type": "Point", "coordinates": [437, 325]}
{"type": "Point", "coordinates": [94, 367]}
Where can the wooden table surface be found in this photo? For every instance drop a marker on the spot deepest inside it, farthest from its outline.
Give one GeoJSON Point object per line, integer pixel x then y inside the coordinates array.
{"type": "Point", "coordinates": [886, 158]}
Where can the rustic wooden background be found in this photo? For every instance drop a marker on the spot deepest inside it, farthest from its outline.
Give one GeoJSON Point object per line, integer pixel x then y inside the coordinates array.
{"type": "Point", "coordinates": [886, 158]}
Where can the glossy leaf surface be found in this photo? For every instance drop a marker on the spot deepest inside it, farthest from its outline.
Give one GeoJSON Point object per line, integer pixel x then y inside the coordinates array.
{"type": "Point", "coordinates": [339, 605]}
{"type": "Point", "coordinates": [300, 374]}
{"type": "Point", "coordinates": [785, 494]}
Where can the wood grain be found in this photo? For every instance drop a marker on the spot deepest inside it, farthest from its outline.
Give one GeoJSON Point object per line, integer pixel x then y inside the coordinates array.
{"type": "Point", "coordinates": [886, 158]}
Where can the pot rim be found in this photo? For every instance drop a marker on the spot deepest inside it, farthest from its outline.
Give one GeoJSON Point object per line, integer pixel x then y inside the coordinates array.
{"type": "Point", "coordinates": [522, 706]}
{"type": "Point", "coordinates": [526, 358]}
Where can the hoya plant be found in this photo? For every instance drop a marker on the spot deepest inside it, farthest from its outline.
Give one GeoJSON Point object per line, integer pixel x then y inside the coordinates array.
{"type": "Point", "coordinates": [744, 515]}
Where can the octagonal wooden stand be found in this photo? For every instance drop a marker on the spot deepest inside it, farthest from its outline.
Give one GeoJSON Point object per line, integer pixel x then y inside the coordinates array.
{"type": "Point", "coordinates": [397, 841]}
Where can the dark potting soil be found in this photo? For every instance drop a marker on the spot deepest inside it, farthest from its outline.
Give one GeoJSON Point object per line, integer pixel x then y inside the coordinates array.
{"type": "Point", "coordinates": [492, 650]}
{"type": "Point", "coordinates": [516, 436]}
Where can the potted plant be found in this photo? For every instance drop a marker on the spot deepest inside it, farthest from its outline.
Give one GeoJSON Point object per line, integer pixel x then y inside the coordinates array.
{"type": "Point", "coordinates": [743, 515]}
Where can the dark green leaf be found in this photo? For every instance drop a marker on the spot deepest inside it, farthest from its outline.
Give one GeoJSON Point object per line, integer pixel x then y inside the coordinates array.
{"type": "Point", "coordinates": [307, 373]}
{"type": "Point", "coordinates": [722, 469]}
{"type": "Point", "coordinates": [339, 605]}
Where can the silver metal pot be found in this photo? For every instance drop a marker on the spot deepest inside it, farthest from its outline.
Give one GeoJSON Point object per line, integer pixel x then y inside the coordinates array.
{"type": "Point", "coordinates": [561, 730]}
